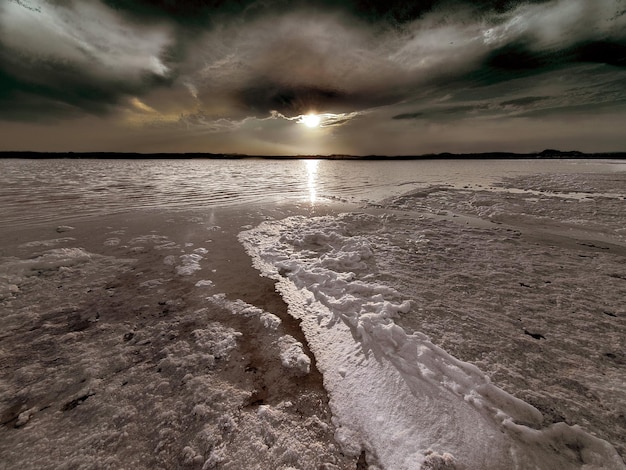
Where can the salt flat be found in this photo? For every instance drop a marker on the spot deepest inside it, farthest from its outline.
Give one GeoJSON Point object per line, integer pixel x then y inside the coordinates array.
{"type": "Point", "coordinates": [149, 340]}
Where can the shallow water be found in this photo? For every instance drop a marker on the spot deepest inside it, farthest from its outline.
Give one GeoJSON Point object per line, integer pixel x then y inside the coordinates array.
{"type": "Point", "coordinates": [33, 191]}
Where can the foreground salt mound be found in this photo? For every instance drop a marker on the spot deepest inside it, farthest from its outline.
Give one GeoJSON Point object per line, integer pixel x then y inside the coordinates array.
{"type": "Point", "coordinates": [399, 397]}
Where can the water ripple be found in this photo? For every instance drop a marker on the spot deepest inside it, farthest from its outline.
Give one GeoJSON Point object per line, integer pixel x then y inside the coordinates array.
{"type": "Point", "coordinates": [33, 191]}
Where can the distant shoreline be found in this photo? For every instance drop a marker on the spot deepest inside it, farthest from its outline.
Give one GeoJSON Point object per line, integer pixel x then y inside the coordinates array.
{"type": "Point", "coordinates": [545, 154]}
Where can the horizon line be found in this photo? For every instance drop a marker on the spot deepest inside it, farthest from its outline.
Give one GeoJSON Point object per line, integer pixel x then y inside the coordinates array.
{"type": "Point", "coordinates": [546, 153]}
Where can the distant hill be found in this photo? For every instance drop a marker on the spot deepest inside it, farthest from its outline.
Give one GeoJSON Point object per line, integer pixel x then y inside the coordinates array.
{"type": "Point", "coordinates": [544, 154]}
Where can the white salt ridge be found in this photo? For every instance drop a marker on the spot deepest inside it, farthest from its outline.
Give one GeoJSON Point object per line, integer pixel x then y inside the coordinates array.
{"type": "Point", "coordinates": [112, 241]}
{"type": "Point", "coordinates": [290, 350]}
{"type": "Point", "coordinates": [216, 339]}
{"type": "Point", "coordinates": [152, 283]}
{"type": "Point", "coordinates": [50, 260]}
{"type": "Point", "coordinates": [47, 243]}
{"type": "Point", "coordinates": [398, 396]}
{"type": "Point", "coordinates": [160, 242]}
{"type": "Point", "coordinates": [292, 355]}
{"type": "Point", "coordinates": [239, 307]}
{"type": "Point", "coordinates": [7, 288]}
{"type": "Point", "coordinates": [190, 264]}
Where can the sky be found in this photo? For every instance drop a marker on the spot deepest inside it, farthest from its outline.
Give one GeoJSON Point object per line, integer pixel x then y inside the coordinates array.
{"type": "Point", "coordinates": [380, 77]}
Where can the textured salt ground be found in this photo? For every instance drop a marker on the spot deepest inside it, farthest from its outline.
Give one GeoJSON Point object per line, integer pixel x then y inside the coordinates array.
{"type": "Point", "coordinates": [116, 351]}
{"type": "Point", "coordinates": [88, 429]}
{"type": "Point", "coordinates": [429, 232]}
{"type": "Point", "coordinates": [331, 269]}
{"type": "Point", "coordinates": [534, 297]}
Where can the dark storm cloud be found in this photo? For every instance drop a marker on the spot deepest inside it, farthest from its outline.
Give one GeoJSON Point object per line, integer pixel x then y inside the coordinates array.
{"type": "Point", "coordinates": [417, 115]}
{"type": "Point", "coordinates": [196, 12]}
{"type": "Point", "coordinates": [48, 90]}
{"type": "Point", "coordinates": [604, 52]}
{"type": "Point", "coordinates": [292, 100]}
{"type": "Point", "coordinates": [523, 102]}
{"type": "Point", "coordinates": [575, 110]}
{"type": "Point", "coordinates": [518, 58]}
{"type": "Point", "coordinates": [286, 99]}
{"type": "Point", "coordinates": [294, 62]}
{"type": "Point", "coordinates": [444, 112]}
{"type": "Point", "coordinates": [66, 58]}
{"type": "Point", "coordinates": [247, 58]}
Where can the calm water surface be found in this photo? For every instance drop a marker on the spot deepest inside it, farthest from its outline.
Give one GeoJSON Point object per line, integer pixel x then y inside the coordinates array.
{"type": "Point", "coordinates": [33, 191]}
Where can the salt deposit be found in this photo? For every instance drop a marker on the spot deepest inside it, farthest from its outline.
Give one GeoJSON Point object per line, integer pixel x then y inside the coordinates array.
{"type": "Point", "coordinates": [455, 328]}
{"type": "Point", "coordinates": [407, 391]}
{"type": "Point", "coordinates": [118, 362]}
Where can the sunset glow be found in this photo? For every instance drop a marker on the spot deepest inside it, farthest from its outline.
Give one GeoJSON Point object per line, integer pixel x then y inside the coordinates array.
{"type": "Point", "coordinates": [311, 120]}
{"type": "Point", "coordinates": [364, 78]}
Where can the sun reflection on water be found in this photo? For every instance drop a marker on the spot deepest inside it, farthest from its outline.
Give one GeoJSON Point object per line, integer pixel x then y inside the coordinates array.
{"type": "Point", "coordinates": [311, 170]}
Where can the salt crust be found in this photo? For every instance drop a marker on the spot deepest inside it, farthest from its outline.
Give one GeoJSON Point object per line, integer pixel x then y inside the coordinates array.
{"type": "Point", "coordinates": [292, 356]}
{"type": "Point", "coordinates": [397, 395]}
{"type": "Point", "coordinates": [101, 401]}
{"type": "Point", "coordinates": [291, 353]}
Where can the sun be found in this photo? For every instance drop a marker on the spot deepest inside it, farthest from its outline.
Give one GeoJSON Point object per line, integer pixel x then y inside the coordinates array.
{"type": "Point", "coordinates": [310, 120]}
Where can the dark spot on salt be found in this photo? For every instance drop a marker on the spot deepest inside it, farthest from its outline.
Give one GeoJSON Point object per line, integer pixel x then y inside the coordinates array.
{"type": "Point", "coordinates": [361, 464]}
{"type": "Point", "coordinates": [76, 323]}
{"type": "Point", "coordinates": [523, 285]}
{"type": "Point", "coordinates": [534, 335]}
{"type": "Point", "coordinates": [591, 245]}
{"type": "Point", "coordinates": [70, 405]}
{"type": "Point", "coordinates": [128, 336]}
{"type": "Point", "coordinates": [259, 397]}
{"type": "Point", "coordinates": [10, 414]}
{"type": "Point", "coordinates": [610, 355]}
{"type": "Point", "coordinates": [610, 314]}
{"type": "Point", "coordinates": [618, 276]}
{"type": "Point", "coordinates": [577, 448]}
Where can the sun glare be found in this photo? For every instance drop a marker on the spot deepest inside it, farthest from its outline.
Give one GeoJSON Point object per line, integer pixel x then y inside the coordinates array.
{"type": "Point", "coordinates": [310, 120]}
